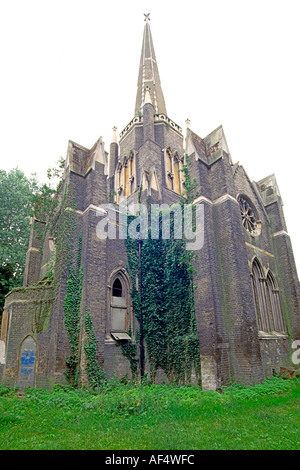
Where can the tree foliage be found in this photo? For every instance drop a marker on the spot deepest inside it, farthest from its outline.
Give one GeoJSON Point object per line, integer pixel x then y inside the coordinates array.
{"type": "Point", "coordinates": [46, 200]}
{"type": "Point", "coordinates": [16, 197]}
{"type": "Point", "coordinates": [20, 198]}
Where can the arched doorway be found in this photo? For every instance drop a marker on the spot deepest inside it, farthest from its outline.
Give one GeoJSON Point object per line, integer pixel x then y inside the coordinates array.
{"type": "Point", "coordinates": [27, 361]}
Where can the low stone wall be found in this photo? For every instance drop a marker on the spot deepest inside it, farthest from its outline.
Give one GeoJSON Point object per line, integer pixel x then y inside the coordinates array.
{"type": "Point", "coordinates": [26, 318]}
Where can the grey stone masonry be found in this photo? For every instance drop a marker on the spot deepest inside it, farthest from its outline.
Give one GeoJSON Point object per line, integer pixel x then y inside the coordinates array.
{"type": "Point", "coordinates": [247, 295]}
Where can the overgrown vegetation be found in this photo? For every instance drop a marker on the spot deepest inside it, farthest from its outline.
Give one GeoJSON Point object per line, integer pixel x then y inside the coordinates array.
{"type": "Point", "coordinates": [16, 203]}
{"type": "Point", "coordinates": [130, 351]}
{"type": "Point", "coordinates": [20, 198]}
{"type": "Point", "coordinates": [46, 200]}
{"type": "Point", "coordinates": [162, 417]}
{"type": "Point", "coordinates": [76, 330]}
{"type": "Point", "coordinates": [168, 314]}
{"type": "Point", "coordinates": [72, 302]}
{"type": "Point", "coordinates": [95, 374]}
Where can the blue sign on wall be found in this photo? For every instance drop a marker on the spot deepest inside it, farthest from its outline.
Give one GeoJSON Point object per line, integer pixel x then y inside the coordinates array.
{"type": "Point", "coordinates": [27, 363]}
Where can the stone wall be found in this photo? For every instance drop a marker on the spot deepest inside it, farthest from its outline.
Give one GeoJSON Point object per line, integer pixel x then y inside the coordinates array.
{"type": "Point", "coordinates": [231, 347]}
{"type": "Point", "coordinates": [27, 335]}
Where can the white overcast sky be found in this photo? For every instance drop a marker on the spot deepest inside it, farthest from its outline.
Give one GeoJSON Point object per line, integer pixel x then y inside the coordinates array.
{"type": "Point", "coordinates": [69, 71]}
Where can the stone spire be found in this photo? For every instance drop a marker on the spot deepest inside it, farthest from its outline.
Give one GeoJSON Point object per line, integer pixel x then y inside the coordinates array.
{"type": "Point", "coordinates": [149, 76]}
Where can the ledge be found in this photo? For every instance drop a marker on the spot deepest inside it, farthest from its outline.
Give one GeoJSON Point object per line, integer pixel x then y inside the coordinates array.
{"type": "Point", "coordinates": [271, 335]}
{"type": "Point", "coordinates": [29, 294]}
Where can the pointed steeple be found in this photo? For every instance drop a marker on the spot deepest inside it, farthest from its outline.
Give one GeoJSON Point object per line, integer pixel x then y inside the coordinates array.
{"type": "Point", "coordinates": [149, 76]}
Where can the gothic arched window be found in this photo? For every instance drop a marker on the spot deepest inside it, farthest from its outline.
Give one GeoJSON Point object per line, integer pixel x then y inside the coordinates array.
{"type": "Point", "coordinates": [177, 185]}
{"type": "Point", "coordinates": [117, 288]}
{"type": "Point", "coordinates": [169, 168]}
{"type": "Point", "coordinates": [267, 301]}
{"type": "Point", "coordinates": [118, 307]}
{"type": "Point", "coordinates": [258, 291]}
{"type": "Point", "coordinates": [120, 320]}
{"type": "Point", "coordinates": [173, 166]}
{"type": "Point", "coordinates": [273, 303]}
{"type": "Point", "coordinates": [125, 177]}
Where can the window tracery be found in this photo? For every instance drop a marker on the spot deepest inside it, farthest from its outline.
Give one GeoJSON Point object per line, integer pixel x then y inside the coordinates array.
{"type": "Point", "coordinates": [249, 219]}
{"type": "Point", "coordinates": [173, 166]}
{"type": "Point", "coordinates": [125, 177]}
{"type": "Point", "coordinates": [267, 301]}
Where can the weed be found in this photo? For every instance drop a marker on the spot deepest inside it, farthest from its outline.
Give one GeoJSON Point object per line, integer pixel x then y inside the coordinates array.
{"type": "Point", "coordinates": [135, 416]}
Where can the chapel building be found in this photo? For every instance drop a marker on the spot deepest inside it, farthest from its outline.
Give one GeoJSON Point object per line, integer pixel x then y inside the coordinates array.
{"type": "Point", "coordinates": [247, 297]}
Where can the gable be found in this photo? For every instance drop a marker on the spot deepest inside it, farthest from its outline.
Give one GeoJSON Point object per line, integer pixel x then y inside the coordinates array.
{"type": "Point", "coordinates": [210, 149]}
{"type": "Point", "coordinates": [244, 185]}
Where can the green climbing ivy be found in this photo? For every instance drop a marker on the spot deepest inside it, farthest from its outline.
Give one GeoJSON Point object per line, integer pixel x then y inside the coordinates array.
{"type": "Point", "coordinates": [65, 236]}
{"type": "Point", "coordinates": [72, 302]}
{"type": "Point", "coordinates": [95, 374]}
{"type": "Point", "coordinates": [130, 351]}
{"type": "Point", "coordinates": [169, 324]}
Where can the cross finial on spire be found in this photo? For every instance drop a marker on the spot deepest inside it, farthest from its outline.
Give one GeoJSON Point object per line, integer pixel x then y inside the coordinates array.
{"type": "Point", "coordinates": [147, 19]}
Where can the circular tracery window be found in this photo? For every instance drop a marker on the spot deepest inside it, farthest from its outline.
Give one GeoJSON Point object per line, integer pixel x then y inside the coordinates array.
{"type": "Point", "coordinates": [249, 220]}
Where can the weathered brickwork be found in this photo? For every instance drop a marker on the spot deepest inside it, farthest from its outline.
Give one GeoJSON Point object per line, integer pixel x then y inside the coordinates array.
{"type": "Point", "coordinates": [29, 317]}
{"type": "Point", "coordinates": [229, 299]}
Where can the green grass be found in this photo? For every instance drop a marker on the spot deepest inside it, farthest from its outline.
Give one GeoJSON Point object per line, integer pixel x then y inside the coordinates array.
{"type": "Point", "coordinates": [154, 417]}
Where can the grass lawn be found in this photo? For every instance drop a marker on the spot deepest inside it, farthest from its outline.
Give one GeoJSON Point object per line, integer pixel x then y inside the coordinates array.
{"type": "Point", "coordinates": [153, 417]}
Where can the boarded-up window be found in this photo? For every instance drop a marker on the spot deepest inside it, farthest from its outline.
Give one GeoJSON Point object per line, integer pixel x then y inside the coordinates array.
{"type": "Point", "coordinates": [118, 321]}
{"type": "Point", "coordinates": [118, 307]}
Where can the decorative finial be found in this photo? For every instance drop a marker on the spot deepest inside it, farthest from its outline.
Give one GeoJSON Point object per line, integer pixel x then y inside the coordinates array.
{"type": "Point", "coordinates": [114, 137]}
{"type": "Point", "coordinates": [147, 19]}
{"type": "Point", "coordinates": [188, 122]}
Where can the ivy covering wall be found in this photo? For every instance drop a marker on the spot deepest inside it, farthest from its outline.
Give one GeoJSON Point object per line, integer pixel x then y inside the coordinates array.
{"type": "Point", "coordinates": [165, 268]}
{"type": "Point", "coordinates": [76, 330]}
{"type": "Point", "coordinates": [95, 374]}
{"type": "Point", "coordinates": [169, 324]}
{"type": "Point", "coordinates": [72, 302]}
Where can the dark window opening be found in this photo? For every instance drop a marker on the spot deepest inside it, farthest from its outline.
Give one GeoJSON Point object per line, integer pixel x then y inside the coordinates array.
{"type": "Point", "coordinates": [117, 288]}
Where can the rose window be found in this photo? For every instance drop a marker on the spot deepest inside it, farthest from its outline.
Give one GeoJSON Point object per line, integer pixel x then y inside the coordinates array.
{"type": "Point", "coordinates": [248, 216]}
